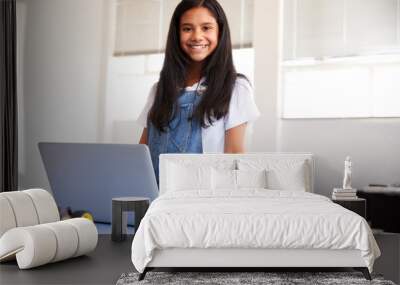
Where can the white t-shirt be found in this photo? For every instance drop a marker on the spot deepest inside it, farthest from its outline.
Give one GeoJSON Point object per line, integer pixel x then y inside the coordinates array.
{"type": "Point", "coordinates": [242, 109]}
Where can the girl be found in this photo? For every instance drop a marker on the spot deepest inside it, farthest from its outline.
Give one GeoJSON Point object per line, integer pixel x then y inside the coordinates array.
{"type": "Point", "coordinates": [200, 104]}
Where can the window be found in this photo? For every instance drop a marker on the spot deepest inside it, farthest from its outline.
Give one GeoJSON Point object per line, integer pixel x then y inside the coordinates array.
{"type": "Point", "coordinates": [341, 59]}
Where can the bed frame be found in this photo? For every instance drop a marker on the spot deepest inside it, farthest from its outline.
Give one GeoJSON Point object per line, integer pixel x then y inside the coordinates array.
{"type": "Point", "coordinates": [246, 258]}
{"type": "Point", "coordinates": [242, 259]}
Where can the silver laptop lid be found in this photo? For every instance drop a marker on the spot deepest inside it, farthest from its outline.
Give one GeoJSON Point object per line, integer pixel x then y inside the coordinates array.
{"type": "Point", "coordinates": [86, 176]}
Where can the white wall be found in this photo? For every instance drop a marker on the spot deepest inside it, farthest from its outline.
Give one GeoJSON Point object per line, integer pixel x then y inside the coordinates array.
{"type": "Point", "coordinates": [62, 68]}
{"type": "Point", "coordinates": [374, 144]}
{"type": "Point", "coordinates": [266, 73]}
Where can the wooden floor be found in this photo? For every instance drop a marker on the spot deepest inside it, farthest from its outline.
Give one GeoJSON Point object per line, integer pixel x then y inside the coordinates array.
{"type": "Point", "coordinates": [102, 266]}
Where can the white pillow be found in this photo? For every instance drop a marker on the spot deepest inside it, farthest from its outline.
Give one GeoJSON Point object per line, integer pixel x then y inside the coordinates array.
{"type": "Point", "coordinates": [292, 178]}
{"type": "Point", "coordinates": [282, 174]}
{"type": "Point", "coordinates": [223, 179]}
{"type": "Point", "coordinates": [181, 177]}
{"type": "Point", "coordinates": [251, 178]}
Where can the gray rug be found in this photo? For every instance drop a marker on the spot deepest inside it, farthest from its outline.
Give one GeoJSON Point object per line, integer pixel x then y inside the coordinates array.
{"type": "Point", "coordinates": [269, 278]}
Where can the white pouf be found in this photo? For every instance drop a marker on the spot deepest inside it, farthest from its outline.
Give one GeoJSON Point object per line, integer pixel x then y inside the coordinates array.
{"type": "Point", "coordinates": [31, 232]}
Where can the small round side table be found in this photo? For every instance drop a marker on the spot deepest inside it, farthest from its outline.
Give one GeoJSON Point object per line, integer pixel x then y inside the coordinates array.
{"type": "Point", "coordinates": [120, 206]}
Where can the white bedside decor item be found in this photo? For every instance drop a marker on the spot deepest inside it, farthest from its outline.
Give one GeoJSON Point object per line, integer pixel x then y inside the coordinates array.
{"type": "Point", "coordinates": [347, 173]}
{"type": "Point", "coordinates": [346, 192]}
{"type": "Point", "coordinates": [31, 231]}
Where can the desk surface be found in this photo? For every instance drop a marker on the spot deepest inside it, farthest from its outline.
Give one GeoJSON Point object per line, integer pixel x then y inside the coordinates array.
{"type": "Point", "coordinates": [102, 266]}
{"type": "Point", "coordinates": [380, 190]}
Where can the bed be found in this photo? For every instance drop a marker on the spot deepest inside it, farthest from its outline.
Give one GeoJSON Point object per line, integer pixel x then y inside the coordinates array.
{"type": "Point", "coordinates": [247, 210]}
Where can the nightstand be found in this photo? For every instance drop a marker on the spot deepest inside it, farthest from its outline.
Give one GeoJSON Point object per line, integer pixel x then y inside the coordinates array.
{"type": "Point", "coordinates": [358, 206]}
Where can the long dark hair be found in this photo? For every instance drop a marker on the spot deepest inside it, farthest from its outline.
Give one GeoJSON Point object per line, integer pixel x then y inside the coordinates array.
{"type": "Point", "coordinates": [218, 70]}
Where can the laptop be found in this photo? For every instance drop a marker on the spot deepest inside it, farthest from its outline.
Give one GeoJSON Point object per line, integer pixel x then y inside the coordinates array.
{"type": "Point", "coordinates": [86, 176]}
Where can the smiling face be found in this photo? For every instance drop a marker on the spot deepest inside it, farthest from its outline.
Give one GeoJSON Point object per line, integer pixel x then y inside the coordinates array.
{"type": "Point", "coordinates": [198, 32]}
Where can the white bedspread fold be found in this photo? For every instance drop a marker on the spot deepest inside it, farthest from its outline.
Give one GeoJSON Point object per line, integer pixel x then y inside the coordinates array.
{"type": "Point", "coordinates": [251, 218]}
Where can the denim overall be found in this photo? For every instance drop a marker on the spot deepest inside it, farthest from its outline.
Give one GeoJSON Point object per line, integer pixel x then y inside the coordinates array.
{"type": "Point", "coordinates": [183, 134]}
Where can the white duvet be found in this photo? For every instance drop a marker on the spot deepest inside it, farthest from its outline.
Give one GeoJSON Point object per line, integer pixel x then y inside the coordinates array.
{"type": "Point", "coordinates": [250, 218]}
